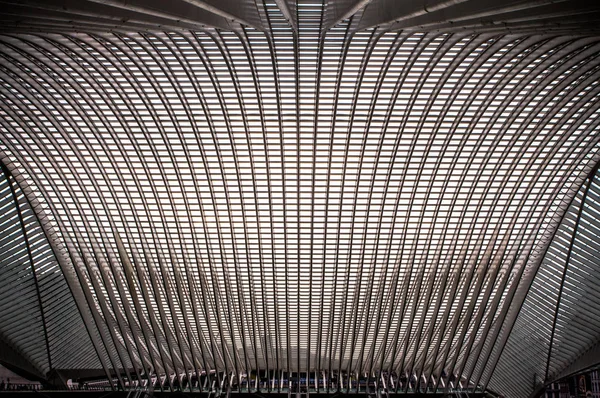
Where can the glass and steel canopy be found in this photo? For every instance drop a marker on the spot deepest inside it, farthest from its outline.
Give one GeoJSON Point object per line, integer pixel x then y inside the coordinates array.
{"type": "Point", "coordinates": [347, 188]}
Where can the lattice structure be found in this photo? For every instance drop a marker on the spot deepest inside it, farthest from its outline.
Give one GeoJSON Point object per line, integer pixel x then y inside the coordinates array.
{"type": "Point", "coordinates": [299, 187]}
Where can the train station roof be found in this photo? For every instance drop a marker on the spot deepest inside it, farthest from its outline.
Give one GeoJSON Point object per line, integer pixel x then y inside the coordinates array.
{"type": "Point", "coordinates": [345, 187]}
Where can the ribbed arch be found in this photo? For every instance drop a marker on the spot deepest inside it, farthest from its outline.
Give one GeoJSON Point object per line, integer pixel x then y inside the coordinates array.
{"type": "Point", "coordinates": [50, 334]}
{"type": "Point", "coordinates": [542, 324]}
{"type": "Point", "coordinates": [304, 197]}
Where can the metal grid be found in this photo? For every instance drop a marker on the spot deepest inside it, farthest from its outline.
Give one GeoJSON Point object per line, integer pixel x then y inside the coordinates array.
{"type": "Point", "coordinates": [39, 318]}
{"type": "Point", "coordinates": [558, 324]}
{"type": "Point", "coordinates": [368, 205]}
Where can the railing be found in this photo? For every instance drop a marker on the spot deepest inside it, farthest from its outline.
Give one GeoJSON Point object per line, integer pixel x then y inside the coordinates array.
{"type": "Point", "coordinates": [219, 385]}
{"type": "Point", "coordinates": [20, 387]}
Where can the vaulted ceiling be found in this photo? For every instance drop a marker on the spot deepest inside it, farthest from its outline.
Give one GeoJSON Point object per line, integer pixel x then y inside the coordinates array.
{"type": "Point", "coordinates": [351, 187]}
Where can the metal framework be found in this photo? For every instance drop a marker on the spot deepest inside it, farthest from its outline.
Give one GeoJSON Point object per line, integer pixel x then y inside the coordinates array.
{"type": "Point", "coordinates": [336, 194]}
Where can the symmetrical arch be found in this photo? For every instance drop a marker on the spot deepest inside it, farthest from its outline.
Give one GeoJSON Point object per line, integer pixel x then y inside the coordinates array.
{"type": "Point", "coordinates": [284, 190]}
